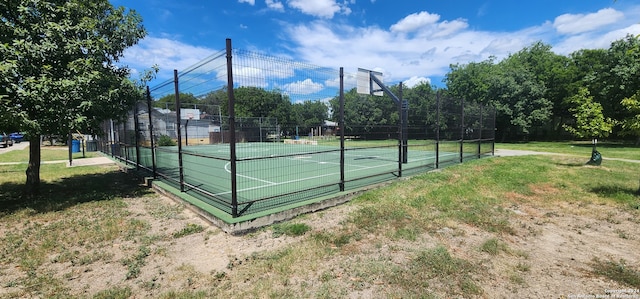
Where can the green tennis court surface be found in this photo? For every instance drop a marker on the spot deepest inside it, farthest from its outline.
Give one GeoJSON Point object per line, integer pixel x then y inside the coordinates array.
{"type": "Point", "coordinates": [273, 174]}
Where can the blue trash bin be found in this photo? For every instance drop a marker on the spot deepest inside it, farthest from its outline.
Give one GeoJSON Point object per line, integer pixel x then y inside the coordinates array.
{"type": "Point", "coordinates": [75, 146]}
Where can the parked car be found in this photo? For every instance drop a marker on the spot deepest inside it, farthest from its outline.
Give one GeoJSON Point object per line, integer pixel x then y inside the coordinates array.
{"type": "Point", "coordinates": [16, 137]}
{"type": "Point", "coordinates": [5, 140]}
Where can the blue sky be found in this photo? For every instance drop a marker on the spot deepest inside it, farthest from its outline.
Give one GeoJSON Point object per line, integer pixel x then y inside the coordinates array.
{"type": "Point", "coordinates": [406, 40]}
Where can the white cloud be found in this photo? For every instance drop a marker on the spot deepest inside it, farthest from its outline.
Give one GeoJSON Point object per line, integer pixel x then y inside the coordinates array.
{"type": "Point", "coordinates": [248, 76]}
{"type": "Point", "coordinates": [579, 23]}
{"type": "Point", "coordinates": [401, 57]}
{"type": "Point", "coordinates": [423, 45]}
{"type": "Point", "coordinates": [415, 21]}
{"type": "Point", "coordinates": [446, 28]}
{"type": "Point", "coordinates": [319, 8]}
{"type": "Point", "coordinates": [303, 87]}
{"type": "Point", "coordinates": [167, 53]}
{"type": "Point", "coordinates": [414, 81]}
{"type": "Point", "coordinates": [274, 5]}
{"type": "Point", "coordinates": [426, 25]}
{"type": "Point", "coordinates": [349, 80]}
{"type": "Point", "coordinates": [250, 2]}
{"type": "Point", "coordinates": [600, 41]}
{"type": "Point", "coordinates": [417, 47]}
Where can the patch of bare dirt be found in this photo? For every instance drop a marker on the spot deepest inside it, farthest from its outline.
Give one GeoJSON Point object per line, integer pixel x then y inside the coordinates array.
{"type": "Point", "coordinates": [550, 254]}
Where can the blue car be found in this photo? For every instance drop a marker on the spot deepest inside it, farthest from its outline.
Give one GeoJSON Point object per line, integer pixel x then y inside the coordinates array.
{"type": "Point", "coordinates": [16, 137]}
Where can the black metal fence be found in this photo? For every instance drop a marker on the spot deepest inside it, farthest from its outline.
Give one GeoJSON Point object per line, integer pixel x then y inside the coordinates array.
{"type": "Point", "coordinates": [246, 164]}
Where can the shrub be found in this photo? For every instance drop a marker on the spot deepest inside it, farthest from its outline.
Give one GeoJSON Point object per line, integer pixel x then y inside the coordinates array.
{"type": "Point", "coordinates": [165, 140]}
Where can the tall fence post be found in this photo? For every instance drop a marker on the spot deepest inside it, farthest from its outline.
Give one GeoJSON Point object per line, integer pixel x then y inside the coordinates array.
{"type": "Point", "coordinates": [178, 117]}
{"type": "Point", "coordinates": [70, 148]}
{"type": "Point", "coordinates": [438, 129]}
{"type": "Point", "coordinates": [153, 148]}
{"type": "Point", "coordinates": [136, 129]}
{"type": "Point", "coordinates": [112, 139]}
{"type": "Point", "coordinates": [493, 127]}
{"type": "Point", "coordinates": [232, 132]}
{"type": "Point", "coordinates": [401, 137]}
{"type": "Point", "coordinates": [480, 135]}
{"type": "Point", "coordinates": [461, 130]}
{"type": "Point", "coordinates": [341, 128]}
{"type": "Point", "coordinates": [405, 126]}
{"type": "Point", "coordinates": [126, 141]}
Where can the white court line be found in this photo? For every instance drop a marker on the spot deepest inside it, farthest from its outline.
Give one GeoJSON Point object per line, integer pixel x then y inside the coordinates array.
{"type": "Point", "coordinates": [272, 184]}
{"type": "Point", "coordinates": [409, 160]}
{"type": "Point", "coordinates": [226, 168]}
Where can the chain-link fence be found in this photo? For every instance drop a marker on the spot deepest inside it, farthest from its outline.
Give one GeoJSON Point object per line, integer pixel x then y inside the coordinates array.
{"type": "Point", "coordinates": [245, 133]}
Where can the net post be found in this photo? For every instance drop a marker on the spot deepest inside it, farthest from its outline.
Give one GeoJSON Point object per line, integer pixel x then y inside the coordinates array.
{"type": "Point", "coordinates": [341, 127]}
{"type": "Point", "coordinates": [232, 132]}
{"type": "Point", "coordinates": [177, 96]}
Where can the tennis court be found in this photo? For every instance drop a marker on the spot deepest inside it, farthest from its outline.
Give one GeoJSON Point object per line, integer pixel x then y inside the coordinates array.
{"type": "Point", "coordinates": [268, 175]}
{"type": "Point", "coordinates": [246, 152]}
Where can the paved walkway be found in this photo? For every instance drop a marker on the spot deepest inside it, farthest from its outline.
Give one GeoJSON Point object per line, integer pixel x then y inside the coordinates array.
{"type": "Point", "coordinates": [16, 146]}
{"type": "Point", "coordinates": [74, 162]}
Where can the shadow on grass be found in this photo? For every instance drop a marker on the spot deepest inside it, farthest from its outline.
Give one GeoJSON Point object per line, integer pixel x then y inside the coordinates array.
{"type": "Point", "coordinates": [612, 191]}
{"type": "Point", "coordinates": [571, 164]}
{"type": "Point", "coordinates": [605, 145]}
{"type": "Point", "coordinates": [70, 191]}
{"type": "Point", "coordinates": [619, 194]}
{"type": "Point", "coordinates": [585, 144]}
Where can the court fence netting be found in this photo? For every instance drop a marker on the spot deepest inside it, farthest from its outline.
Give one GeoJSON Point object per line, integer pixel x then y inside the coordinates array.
{"type": "Point", "coordinates": [200, 133]}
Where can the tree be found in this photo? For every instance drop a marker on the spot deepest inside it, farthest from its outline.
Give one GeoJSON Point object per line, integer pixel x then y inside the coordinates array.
{"type": "Point", "coordinates": [471, 81]}
{"type": "Point", "coordinates": [623, 81]}
{"type": "Point", "coordinates": [58, 68]}
{"type": "Point", "coordinates": [589, 119]}
{"type": "Point", "coordinates": [422, 104]}
{"type": "Point", "coordinates": [256, 102]}
{"type": "Point", "coordinates": [309, 114]}
{"type": "Point", "coordinates": [187, 100]}
{"type": "Point", "coordinates": [363, 114]}
{"type": "Point", "coordinates": [511, 87]}
{"type": "Point", "coordinates": [631, 124]}
{"type": "Point", "coordinates": [518, 95]}
{"type": "Point", "coordinates": [551, 71]}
